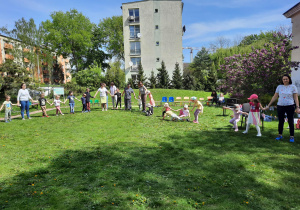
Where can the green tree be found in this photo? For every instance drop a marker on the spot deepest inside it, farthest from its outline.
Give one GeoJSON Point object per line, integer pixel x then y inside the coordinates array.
{"type": "Point", "coordinates": [70, 34]}
{"type": "Point", "coordinates": [212, 78]}
{"type": "Point", "coordinates": [177, 77]}
{"type": "Point", "coordinates": [90, 77]}
{"type": "Point", "coordinates": [152, 80]}
{"type": "Point", "coordinates": [112, 29]}
{"type": "Point", "coordinates": [115, 74]}
{"type": "Point", "coordinates": [189, 82]}
{"type": "Point", "coordinates": [163, 80]}
{"type": "Point", "coordinates": [141, 76]}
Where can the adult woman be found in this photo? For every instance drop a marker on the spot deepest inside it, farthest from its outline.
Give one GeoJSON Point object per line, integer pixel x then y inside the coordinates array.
{"type": "Point", "coordinates": [215, 97]}
{"type": "Point", "coordinates": [127, 99]}
{"type": "Point", "coordinates": [142, 95]}
{"type": "Point", "coordinates": [23, 98]}
{"type": "Point", "coordinates": [103, 91]}
{"type": "Point", "coordinates": [288, 98]}
{"type": "Point", "coordinates": [113, 90]}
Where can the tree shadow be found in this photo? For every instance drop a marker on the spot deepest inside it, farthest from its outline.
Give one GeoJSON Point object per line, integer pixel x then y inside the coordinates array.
{"type": "Point", "coordinates": [182, 171]}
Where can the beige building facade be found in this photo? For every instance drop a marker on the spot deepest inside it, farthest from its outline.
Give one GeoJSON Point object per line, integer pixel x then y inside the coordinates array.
{"type": "Point", "coordinates": [294, 14]}
{"type": "Point", "coordinates": [152, 34]}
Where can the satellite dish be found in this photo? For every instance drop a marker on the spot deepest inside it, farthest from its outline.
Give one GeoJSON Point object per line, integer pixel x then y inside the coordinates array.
{"type": "Point", "coordinates": [139, 35]}
{"type": "Point", "coordinates": [130, 63]}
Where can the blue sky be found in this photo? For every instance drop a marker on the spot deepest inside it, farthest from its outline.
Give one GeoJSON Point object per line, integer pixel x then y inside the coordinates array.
{"type": "Point", "coordinates": [205, 20]}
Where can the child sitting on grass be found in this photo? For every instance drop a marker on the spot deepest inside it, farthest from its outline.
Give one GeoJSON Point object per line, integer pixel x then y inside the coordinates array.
{"type": "Point", "coordinates": [198, 110]}
{"type": "Point", "coordinates": [56, 103]}
{"type": "Point", "coordinates": [185, 113]}
{"type": "Point", "coordinates": [168, 112]}
{"type": "Point", "coordinates": [42, 101]}
{"type": "Point", "coordinates": [7, 104]}
{"type": "Point", "coordinates": [236, 115]}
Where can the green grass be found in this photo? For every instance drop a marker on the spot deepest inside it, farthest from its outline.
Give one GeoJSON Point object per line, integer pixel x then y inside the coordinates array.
{"type": "Point", "coordinates": [119, 159]}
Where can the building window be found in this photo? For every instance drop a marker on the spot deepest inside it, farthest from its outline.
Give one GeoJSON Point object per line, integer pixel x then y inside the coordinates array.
{"type": "Point", "coordinates": [157, 43]}
{"type": "Point", "coordinates": [156, 10]}
{"type": "Point", "coordinates": [156, 27]}
{"type": "Point", "coordinates": [134, 30]}
{"type": "Point", "coordinates": [134, 77]}
{"type": "Point", "coordinates": [134, 15]}
{"type": "Point", "coordinates": [136, 61]}
{"type": "Point", "coordinates": [157, 59]}
{"type": "Point", "coordinates": [135, 48]}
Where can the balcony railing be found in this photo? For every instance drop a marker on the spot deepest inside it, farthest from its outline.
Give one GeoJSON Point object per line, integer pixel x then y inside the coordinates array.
{"type": "Point", "coordinates": [134, 19]}
{"type": "Point", "coordinates": [8, 46]}
{"type": "Point", "coordinates": [9, 57]}
{"type": "Point", "coordinates": [135, 52]}
{"type": "Point", "coordinates": [134, 68]}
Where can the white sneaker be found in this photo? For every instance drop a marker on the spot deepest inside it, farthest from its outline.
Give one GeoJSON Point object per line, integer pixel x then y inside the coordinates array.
{"type": "Point", "coordinates": [259, 134]}
{"type": "Point", "coordinates": [102, 110]}
{"type": "Point", "coordinates": [29, 118]}
{"type": "Point", "coordinates": [57, 115]}
{"type": "Point", "coordinates": [62, 114]}
{"type": "Point", "coordinates": [23, 118]}
{"type": "Point", "coordinates": [245, 132]}
{"type": "Point", "coordinates": [105, 109]}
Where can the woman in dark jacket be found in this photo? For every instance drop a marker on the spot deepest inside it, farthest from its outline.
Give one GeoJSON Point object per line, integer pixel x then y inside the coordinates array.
{"type": "Point", "coordinates": [215, 97]}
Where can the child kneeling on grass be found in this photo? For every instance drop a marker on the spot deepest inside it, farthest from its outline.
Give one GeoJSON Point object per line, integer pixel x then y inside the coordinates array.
{"type": "Point", "coordinates": [198, 110]}
{"type": "Point", "coordinates": [236, 116]}
{"type": "Point", "coordinates": [7, 104]}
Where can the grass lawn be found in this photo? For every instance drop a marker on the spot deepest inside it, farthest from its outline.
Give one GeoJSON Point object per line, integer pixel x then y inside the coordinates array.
{"type": "Point", "coordinates": [125, 160]}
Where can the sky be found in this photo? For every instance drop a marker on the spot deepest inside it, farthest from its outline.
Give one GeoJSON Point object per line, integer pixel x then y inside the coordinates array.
{"type": "Point", "coordinates": [205, 20]}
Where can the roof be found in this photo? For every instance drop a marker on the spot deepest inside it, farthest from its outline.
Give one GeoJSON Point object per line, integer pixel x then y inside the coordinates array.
{"type": "Point", "coordinates": [291, 12]}
{"type": "Point", "coordinates": [147, 0]}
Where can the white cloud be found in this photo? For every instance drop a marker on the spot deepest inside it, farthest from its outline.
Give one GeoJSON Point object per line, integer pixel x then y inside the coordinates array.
{"type": "Point", "coordinates": [223, 3]}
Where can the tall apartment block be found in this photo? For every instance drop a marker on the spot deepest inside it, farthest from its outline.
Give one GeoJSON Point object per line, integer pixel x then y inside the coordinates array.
{"type": "Point", "coordinates": [152, 34]}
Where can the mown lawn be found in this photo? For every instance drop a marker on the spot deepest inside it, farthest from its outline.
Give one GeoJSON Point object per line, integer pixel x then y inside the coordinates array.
{"type": "Point", "coordinates": [119, 159]}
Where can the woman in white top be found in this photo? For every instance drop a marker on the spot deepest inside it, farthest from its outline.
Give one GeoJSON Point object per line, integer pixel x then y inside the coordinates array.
{"type": "Point", "coordinates": [23, 98]}
{"type": "Point", "coordinates": [288, 98]}
{"type": "Point", "coordinates": [113, 90]}
{"type": "Point", "coordinates": [103, 91]}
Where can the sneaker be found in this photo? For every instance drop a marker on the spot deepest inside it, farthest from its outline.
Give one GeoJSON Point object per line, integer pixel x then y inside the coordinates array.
{"type": "Point", "coordinates": [63, 114]}
{"type": "Point", "coordinates": [187, 120]}
{"type": "Point", "coordinates": [279, 137]}
{"type": "Point", "coordinates": [236, 130]}
{"type": "Point", "coordinates": [102, 110]}
{"type": "Point", "coordinates": [23, 118]}
{"type": "Point", "coordinates": [6, 121]}
{"type": "Point", "coordinates": [43, 116]}
{"type": "Point", "coordinates": [9, 120]}
{"type": "Point", "coordinates": [47, 116]}
{"type": "Point", "coordinates": [29, 118]}
{"type": "Point", "coordinates": [105, 109]}
{"type": "Point", "coordinates": [195, 121]}
{"type": "Point", "coordinates": [245, 132]}
{"type": "Point", "coordinates": [57, 115]}
{"type": "Point", "coordinates": [259, 134]}
{"type": "Point", "coordinates": [292, 140]}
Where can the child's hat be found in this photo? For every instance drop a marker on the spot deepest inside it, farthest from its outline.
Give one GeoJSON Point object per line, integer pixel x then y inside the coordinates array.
{"type": "Point", "coordinates": [186, 106]}
{"type": "Point", "coordinates": [193, 98]}
{"type": "Point", "coordinates": [253, 96]}
{"type": "Point", "coordinates": [166, 105]}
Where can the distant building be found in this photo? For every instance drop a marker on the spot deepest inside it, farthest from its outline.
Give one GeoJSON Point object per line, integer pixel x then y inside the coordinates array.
{"type": "Point", "coordinates": [60, 71]}
{"type": "Point", "coordinates": [294, 14]}
{"type": "Point", "coordinates": [152, 34]}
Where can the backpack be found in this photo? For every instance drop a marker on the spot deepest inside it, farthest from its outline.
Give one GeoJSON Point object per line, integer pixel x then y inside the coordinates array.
{"type": "Point", "coordinates": [298, 124]}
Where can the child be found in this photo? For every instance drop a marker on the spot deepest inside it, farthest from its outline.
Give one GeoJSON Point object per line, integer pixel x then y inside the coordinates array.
{"type": "Point", "coordinates": [83, 100]}
{"type": "Point", "coordinates": [149, 112]}
{"type": "Point", "coordinates": [56, 103]}
{"type": "Point", "coordinates": [43, 102]}
{"type": "Point", "coordinates": [7, 103]}
{"type": "Point", "coordinates": [168, 112]}
{"type": "Point", "coordinates": [185, 112]}
{"type": "Point", "coordinates": [254, 114]}
{"type": "Point", "coordinates": [88, 96]}
{"type": "Point", "coordinates": [198, 110]}
{"type": "Point", "coordinates": [119, 98]}
{"type": "Point", "coordinates": [152, 102]}
{"type": "Point", "coordinates": [236, 116]}
{"type": "Point", "coordinates": [140, 103]}
{"type": "Point", "coordinates": [71, 102]}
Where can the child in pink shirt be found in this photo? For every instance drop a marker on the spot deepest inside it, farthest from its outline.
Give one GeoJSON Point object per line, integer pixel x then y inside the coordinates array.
{"type": "Point", "coordinates": [236, 116]}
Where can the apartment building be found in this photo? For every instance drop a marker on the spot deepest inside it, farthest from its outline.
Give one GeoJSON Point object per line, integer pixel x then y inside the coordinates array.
{"type": "Point", "coordinates": [59, 72]}
{"type": "Point", "coordinates": [152, 34]}
{"type": "Point", "coordinates": [294, 14]}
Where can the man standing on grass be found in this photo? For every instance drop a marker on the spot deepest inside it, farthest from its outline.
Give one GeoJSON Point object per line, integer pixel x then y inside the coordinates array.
{"type": "Point", "coordinates": [127, 99]}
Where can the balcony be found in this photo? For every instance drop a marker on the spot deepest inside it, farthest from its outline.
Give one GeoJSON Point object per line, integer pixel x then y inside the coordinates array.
{"type": "Point", "coordinates": [135, 52]}
{"type": "Point", "coordinates": [133, 19]}
{"type": "Point", "coordinates": [9, 57]}
{"type": "Point", "coordinates": [8, 46]}
{"type": "Point", "coordinates": [134, 68]}
{"type": "Point", "coordinates": [26, 60]}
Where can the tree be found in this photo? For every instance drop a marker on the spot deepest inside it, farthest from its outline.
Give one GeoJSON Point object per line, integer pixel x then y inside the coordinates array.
{"type": "Point", "coordinates": [90, 77]}
{"type": "Point", "coordinates": [115, 74]}
{"type": "Point", "coordinates": [112, 29]}
{"type": "Point", "coordinates": [177, 77]}
{"type": "Point", "coordinates": [259, 71]}
{"type": "Point", "coordinates": [219, 43]}
{"type": "Point", "coordinates": [212, 78]}
{"type": "Point", "coordinates": [163, 80]}
{"type": "Point", "coordinates": [141, 76]}
{"type": "Point", "coordinates": [70, 34]}
{"type": "Point", "coordinates": [188, 82]}
{"type": "Point", "coordinates": [14, 76]}
{"type": "Point", "coordinates": [152, 80]}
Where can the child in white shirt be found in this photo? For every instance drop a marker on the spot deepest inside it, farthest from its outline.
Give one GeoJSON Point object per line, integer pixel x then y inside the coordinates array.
{"type": "Point", "coordinates": [56, 103]}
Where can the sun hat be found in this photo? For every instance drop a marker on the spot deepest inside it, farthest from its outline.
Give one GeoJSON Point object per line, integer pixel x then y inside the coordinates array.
{"type": "Point", "coordinates": [166, 105]}
{"type": "Point", "coordinates": [186, 106]}
{"type": "Point", "coordinates": [253, 96]}
{"type": "Point", "coordinates": [193, 98]}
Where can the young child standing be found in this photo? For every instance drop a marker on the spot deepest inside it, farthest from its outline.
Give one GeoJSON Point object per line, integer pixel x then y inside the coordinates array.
{"type": "Point", "coordinates": [185, 113]}
{"type": "Point", "coordinates": [198, 110]}
{"type": "Point", "coordinates": [56, 103]}
{"type": "Point", "coordinates": [7, 104]}
{"type": "Point", "coordinates": [71, 99]}
{"type": "Point", "coordinates": [119, 98]}
{"type": "Point", "coordinates": [43, 102]}
{"type": "Point", "coordinates": [254, 114]}
{"type": "Point", "coordinates": [140, 103]}
{"type": "Point", "coordinates": [236, 115]}
{"type": "Point", "coordinates": [88, 96]}
{"type": "Point", "coordinates": [83, 100]}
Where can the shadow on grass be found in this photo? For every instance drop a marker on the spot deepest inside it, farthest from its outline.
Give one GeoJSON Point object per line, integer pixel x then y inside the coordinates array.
{"type": "Point", "coordinates": [222, 169]}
